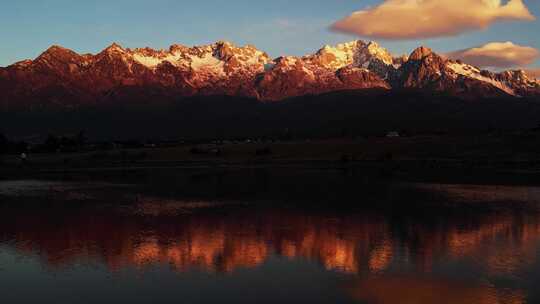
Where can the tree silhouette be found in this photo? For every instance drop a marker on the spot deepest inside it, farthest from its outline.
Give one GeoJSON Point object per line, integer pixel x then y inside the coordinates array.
{"type": "Point", "coordinates": [81, 139]}
{"type": "Point", "coordinates": [52, 143]}
{"type": "Point", "coordinates": [4, 144]}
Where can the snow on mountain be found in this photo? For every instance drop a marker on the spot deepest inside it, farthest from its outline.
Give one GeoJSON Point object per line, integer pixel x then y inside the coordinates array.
{"type": "Point", "coordinates": [220, 58]}
{"type": "Point", "coordinates": [372, 51]}
{"type": "Point", "coordinates": [335, 57]}
{"type": "Point", "coordinates": [152, 61]}
{"type": "Point", "coordinates": [427, 70]}
{"type": "Point", "coordinates": [475, 73]}
{"type": "Point", "coordinates": [226, 69]}
{"type": "Point", "coordinates": [355, 54]}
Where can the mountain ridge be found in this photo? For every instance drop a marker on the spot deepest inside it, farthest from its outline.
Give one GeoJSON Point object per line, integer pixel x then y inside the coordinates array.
{"type": "Point", "coordinates": [61, 76]}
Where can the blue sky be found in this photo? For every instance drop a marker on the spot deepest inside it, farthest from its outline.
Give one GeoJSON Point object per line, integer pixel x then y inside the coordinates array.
{"type": "Point", "coordinates": [279, 27]}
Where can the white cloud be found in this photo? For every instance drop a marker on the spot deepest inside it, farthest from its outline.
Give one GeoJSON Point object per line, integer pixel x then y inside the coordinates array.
{"type": "Point", "coordinates": [413, 19]}
{"type": "Point", "coordinates": [497, 55]}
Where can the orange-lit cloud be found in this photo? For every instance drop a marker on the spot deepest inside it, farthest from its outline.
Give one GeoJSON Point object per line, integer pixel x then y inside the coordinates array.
{"type": "Point", "coordinates": [497, 55]}
{"type": "Point", "coordinates": [413, 19]}
{"type": "Point", "coordinates": [535, 73]}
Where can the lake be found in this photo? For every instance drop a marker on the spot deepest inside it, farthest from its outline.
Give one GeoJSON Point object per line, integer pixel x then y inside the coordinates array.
{"type": "Point", "coordinates": [258, 236]}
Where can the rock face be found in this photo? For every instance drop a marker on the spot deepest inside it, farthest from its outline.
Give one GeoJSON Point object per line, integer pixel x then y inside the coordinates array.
{"type": "Point", "coordinates": [424, 69]}
{"type": "Point", "coordinates": [62, 77]}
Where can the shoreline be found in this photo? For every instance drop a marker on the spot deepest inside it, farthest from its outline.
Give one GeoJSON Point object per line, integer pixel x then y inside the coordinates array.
{"type": "Point", "coordinates": [490, 172]}
{"type": "Point", "coordinates": [513, 159]}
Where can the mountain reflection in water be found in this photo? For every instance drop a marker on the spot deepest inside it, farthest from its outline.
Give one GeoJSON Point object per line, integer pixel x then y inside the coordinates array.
{"type": "Point", "coordinates": [384, 257]}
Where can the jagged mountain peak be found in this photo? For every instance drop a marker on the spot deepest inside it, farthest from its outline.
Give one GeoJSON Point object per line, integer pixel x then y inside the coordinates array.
{"type": "Point", "coordinates": [228, 51]}
{"type": "Point", "coordinates": [376, 50]}
{"type": "Point", "coordinates": [56, 48]}
{"type": "Point", "coordinates": [220, 53]}
{"type": "Point", "coordinates": [57, 51]}
{"type": "Point", "coordinates": [345, 46]}
{"type": "Point", "coordinates": [222, 43]}
{"type": "Point", "coordinates": [420, 53]}
{"type": "Point", "coordinates": [334, 57]}
{"type": "Point", "coordinates": [518, 74]}
{"type": "Point", "coordinates": [56, 57]}
{"type": "Point", "coordinates": [177, 48]}
{"type": "Point", "coordinates": [113, 48]}
{"type": "Point", "coordinates": [225, 68]}
{"type": "Point", "coordinates": [356, 53]}
{"type": "Point", "coordinates": [373, 50]}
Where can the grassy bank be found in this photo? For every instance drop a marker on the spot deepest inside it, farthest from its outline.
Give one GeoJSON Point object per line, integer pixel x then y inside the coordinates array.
{"type": "Point", "coordinates": [513, 155]}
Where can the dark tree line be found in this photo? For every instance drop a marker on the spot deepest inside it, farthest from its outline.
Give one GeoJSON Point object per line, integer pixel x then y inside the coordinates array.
{"type": "Point", "coordinates": [11, 147]}
{"type": "Point", "coordinates": [3, 143]}
{"type": "Point", "coordinates": [52, 143]}
{"type": "Point", "coordinates": [55, 143]}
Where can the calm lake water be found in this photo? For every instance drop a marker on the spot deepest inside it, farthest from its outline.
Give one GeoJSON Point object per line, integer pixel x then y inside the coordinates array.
{"type": "Point", "coordinates": [158, 242]}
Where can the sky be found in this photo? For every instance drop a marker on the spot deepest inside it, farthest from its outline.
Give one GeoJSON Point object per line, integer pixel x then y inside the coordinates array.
{"type": "Point", "coordinates": [279, 27]}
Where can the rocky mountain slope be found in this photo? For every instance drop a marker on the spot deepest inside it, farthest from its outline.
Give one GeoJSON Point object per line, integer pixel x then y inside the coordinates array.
{"type": "Point", "coordinates": [62, 77]}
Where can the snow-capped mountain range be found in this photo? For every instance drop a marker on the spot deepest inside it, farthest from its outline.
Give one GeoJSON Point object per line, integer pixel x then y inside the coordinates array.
{"type": "Point", "coordinates": [60, 75]}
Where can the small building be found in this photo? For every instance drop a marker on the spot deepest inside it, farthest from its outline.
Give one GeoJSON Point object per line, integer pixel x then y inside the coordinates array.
{"type": "Point", "coordinates": [392, 134]}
